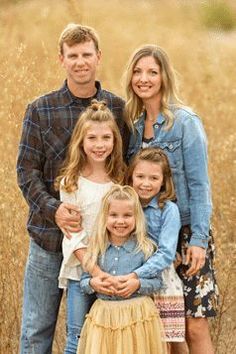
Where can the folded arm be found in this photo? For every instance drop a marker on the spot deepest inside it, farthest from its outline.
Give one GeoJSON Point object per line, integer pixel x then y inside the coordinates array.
{"type": "Point", "coordinates": [167, 244]}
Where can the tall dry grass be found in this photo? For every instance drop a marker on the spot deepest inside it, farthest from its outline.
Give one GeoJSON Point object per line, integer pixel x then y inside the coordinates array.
{"type": "Point", "coordinates": [29, 67]}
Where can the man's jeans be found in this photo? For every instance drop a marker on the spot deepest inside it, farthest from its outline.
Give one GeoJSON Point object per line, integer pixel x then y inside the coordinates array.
{"type": "Point", "coordinates": [41, 300]}
{"type": "Point", "coordinates": [78, 305]}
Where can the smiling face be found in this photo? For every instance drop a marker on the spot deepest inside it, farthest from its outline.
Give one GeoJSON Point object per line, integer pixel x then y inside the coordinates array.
{"type": "Point", "coordinates": [147, 179]}
{"type": "Point", "coordinates": [80, 62]}
{"type": "Point", "coordinates": [98, 142]}
{"type": "Point", "coordinates": [147, 79]}
{"type": "Point", "coordinates": [120, 220]}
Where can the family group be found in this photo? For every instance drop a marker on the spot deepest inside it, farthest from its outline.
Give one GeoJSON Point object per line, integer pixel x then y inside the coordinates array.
{"type": "Point", "coordinates": [119, 210]}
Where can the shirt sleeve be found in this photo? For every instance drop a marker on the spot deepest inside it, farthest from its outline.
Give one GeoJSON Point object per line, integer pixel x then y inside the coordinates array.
{"type": "Point", "coordinates": [30, 165]}
{"type": "Point", "coordinates": [78, 239]}
{"type": "Point", "coordinates": [85, 284]}
{"type": "Point", "coordinates": [150, 286]}
{"type": "Point", "coordinates": [69, 246]}
{"type": "Point", "coordinates": [167, 244]}
{"type": "Point", "coordinates": [196, 171]}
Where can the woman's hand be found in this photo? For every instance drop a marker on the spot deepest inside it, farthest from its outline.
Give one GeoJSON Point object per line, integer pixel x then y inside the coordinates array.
{"type": "Point", "coordinates": [195, 257]}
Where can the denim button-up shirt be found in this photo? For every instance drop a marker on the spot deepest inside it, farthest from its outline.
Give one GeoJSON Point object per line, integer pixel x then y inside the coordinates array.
{"type": "Point", "coordinates": [186, 147]}
{"type": "Point", "coordinates": [163, 228]}
{"type": "Point", "coordinates": [122, 260]}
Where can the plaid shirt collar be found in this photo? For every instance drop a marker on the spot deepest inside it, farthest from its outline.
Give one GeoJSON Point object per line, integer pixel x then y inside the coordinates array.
{"type": "Point", "coordinates": [69, 98]}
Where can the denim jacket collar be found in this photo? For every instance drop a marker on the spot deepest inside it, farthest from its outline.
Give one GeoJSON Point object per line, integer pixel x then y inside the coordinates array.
{"type": "Point", "coordinates": [139, 125]}
{"type": "Point", "coordinates": [129, 245]}
{"type": "Point", "coordinates": [152, 203]}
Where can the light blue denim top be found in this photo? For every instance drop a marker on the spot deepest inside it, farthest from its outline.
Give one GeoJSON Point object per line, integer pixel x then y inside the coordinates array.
{"type": "Point", "coordinates": [163, 228]}
{"type": "Point", "coordinates": [186, 147]}
{"type": "Point", "coordinates": [122, 260]}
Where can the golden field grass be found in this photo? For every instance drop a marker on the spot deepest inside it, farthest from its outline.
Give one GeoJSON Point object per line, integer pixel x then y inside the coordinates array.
{"type": "Point", "coordinates": [205, 61]}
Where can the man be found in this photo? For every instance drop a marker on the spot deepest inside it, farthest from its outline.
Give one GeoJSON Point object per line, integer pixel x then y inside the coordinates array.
{"type": "Point", "coordinates": [47, 127]}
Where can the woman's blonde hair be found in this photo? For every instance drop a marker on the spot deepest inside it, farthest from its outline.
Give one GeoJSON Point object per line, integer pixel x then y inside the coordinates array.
{"type": "Point", "coordinates": [76, 158]}
{"type": "Point", "coordinates": [169, 97]}
{"type": "Point", "coordinates": [155, 155]}
{"type": "Point", "coordinates": [100, 236]}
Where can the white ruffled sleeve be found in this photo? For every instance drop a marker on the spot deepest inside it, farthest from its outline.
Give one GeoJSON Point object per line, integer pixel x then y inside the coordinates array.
{"type": "Point", "coordinates": [78, 240]}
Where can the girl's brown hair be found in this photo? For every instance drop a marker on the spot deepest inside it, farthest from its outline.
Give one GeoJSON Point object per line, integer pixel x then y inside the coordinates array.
{"type": "Point", "coordinates": [155, 155]}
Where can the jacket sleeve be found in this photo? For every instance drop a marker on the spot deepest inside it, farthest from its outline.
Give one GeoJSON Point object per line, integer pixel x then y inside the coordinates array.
{"type": "Point", "coordinates": [30, 167]}
{"type": "Point", "coordinates": [196, 171]}
{"type": "Point", "coordinates": [150, 286]}
{"type": "Point", "coordinates": [167, 244]}
{"type": "Point", "coordinates": [85, 285]}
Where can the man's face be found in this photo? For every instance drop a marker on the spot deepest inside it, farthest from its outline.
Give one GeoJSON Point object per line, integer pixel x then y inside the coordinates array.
{"type": "Point", "coordinates": [80, 62]}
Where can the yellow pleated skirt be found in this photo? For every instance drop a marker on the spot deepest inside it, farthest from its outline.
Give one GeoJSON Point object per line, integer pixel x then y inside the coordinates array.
{"type": "Point", "coordinates": [131, 326]}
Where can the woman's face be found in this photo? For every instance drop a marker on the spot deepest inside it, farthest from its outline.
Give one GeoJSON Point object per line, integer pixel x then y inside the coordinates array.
{"type": "Point", "coordinates": [147, 79]}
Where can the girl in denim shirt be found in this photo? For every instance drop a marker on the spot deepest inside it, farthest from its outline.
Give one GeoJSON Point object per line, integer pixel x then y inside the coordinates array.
{"type": "Point", "coordinates": [120, 323]}
{"type": "Point", "coordinates": [150, 175]}
{"type": "Point", "coordinates": [158, 118]}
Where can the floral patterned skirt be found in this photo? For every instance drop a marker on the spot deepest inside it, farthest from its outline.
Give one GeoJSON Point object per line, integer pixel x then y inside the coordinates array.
{"type": "Point", "coordinates": [200, 291]}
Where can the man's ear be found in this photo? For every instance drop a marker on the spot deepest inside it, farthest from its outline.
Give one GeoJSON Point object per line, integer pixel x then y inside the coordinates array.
{"type": "Point", "coordinates": [61, 59]}
{"type": "Point", "coordinates": [99, 55]}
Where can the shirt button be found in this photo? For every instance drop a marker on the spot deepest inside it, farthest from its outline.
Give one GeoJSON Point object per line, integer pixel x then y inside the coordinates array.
{"type": "Point", "coordinates": [116, 259]}
{"type": "Point", "coordinates": [156, 125]}
{"type": "Point", "coordinates": [113, 272]}
{"type": "Point", "coordinates": [171, 146]}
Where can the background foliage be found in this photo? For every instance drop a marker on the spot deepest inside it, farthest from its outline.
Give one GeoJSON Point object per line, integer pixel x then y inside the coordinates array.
{"type": "Point", "coordinates": [205, 60]}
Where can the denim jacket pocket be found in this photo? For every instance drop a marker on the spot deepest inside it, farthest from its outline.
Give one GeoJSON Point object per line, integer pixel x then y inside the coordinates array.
{"type": "Point", "coordinates": [173, 152]}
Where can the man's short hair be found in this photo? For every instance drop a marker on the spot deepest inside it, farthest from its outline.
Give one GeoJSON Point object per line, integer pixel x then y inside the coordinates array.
{"type": "Point", "coordinates": [74, 34]}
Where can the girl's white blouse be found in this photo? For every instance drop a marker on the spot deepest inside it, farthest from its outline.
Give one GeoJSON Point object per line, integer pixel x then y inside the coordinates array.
{"type": "Point", "coordinates": [88, 197]}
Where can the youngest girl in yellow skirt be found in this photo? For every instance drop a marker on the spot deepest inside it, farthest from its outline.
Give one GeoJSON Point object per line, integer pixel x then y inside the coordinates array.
{"type": "Point", "coordinates": [119, 245]}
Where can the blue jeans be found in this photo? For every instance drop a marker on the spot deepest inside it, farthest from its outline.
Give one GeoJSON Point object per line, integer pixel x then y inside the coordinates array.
{"type": "Point", "coordinates": [41, 300]}
{"type": "Point", "coordinates": [78, 305]}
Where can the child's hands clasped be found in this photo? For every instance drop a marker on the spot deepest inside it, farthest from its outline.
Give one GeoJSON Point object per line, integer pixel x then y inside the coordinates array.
{"type": "Point", "coordinates": [127, 285]}
{"type": "Point", "coordinates": [123, 285]}
{"type": "Point", "coordinates": [103, 283]}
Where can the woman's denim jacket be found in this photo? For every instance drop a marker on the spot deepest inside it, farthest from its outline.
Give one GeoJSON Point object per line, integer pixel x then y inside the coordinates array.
{"type": "Point", "coordinates": [186, 147]}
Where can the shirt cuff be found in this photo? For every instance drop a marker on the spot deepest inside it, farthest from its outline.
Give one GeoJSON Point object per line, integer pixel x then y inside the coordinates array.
{"type": "Point", "coordinates": [198, 241]}
{"type": "Point", "coordinates": [147, 289]}
{"type": "Point", "coordinates": [144, 274]}
{"type": "Point", "coordinates": [86, 288]}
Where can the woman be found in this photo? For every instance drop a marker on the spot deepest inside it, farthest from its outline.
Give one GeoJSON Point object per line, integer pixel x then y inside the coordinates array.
{"type": "Point", "coordinates": [158, 118]}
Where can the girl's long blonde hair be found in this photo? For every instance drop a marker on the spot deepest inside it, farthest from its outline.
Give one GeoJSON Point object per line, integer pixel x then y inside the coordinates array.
{"type": "Point", "coordinates": [155, 155]}
{"type": "Point", "coordinates": [100, 237]}
{"type": "Point", "coordinates": [169, 98]}
{"type": "Point", "coordinates": [76, 158]}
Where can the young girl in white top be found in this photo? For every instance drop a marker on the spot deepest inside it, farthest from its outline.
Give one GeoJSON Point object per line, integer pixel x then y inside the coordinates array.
{"type": "Point", "coordinates": [150, 175]}
{"type": "Point", "coordinates": [93, 163]}
{"type": "Point", "coordinates": [119, 245]}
